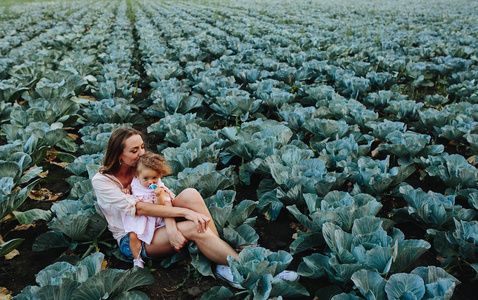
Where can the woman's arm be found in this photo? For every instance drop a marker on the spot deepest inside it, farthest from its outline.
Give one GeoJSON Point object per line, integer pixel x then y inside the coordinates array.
{"type": "Point", "coordinates": [163, 211]}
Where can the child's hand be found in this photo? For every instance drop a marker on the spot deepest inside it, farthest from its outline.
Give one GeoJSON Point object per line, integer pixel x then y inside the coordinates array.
{"type": "Point", "coordinates": [160, 194]}
{"type": "Point", "coordinates": [127, 190]}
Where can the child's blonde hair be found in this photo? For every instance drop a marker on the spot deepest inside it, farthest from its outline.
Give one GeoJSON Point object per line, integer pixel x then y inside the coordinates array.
{"type": "Point", "coordinates": [154, 162]}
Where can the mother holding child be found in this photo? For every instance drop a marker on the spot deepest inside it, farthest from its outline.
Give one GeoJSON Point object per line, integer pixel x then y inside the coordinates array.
{"type": "Point", "coordinates": [143, 218]}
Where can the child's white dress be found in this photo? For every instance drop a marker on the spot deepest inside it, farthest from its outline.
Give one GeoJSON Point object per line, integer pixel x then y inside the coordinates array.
{"type": "Point", "coordinates": [143, 226]}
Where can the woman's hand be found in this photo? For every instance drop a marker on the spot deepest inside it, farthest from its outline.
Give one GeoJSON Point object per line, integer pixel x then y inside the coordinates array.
{"type": "Point", "coordinates": [200, 220]}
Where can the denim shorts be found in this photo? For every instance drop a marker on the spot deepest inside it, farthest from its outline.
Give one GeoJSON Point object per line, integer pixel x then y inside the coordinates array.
{"type": "Point", "coordinates": [126, 250]}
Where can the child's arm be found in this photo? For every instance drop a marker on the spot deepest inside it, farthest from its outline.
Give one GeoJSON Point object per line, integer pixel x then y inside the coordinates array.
{"type": "Point", "coordinates": [165, 193]}
{"type": "Point", "coordinates": [160, 195]}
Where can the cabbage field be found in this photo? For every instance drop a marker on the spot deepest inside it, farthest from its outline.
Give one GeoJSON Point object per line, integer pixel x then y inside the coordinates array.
{"type": "Point", "coordinates": [333, 138]}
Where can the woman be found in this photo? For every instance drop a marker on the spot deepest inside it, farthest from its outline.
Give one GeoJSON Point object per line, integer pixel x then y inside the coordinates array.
{"type": "Point", "coordinates": [124, 148]}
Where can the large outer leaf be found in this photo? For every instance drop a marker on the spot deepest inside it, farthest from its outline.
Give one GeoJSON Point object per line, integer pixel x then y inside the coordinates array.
{"type": "Point", "coordinates": [379, 259]}
{"type": "Point", "coordinates": [112, 282]}
{"type": "Point", "coordinates": [32, 215]}
{"type": "Point", "coordinates": [32, 173]}
{"type": "Point", "coordinates": [303, 219]}
{"type": "Point", "coordinates": [222, 198]}
{"type": "Point", "coordinates": [10, 169]}
{"type": "Point", "coordinates": [218, 293]}
{"type": "Point", "coordinates": [432, 274]}
{"type": "Point", "coordinates": [57, 292]}
{"type": "Point", "coordinates": [404, 285]}
{"type": "Point", "coordinates": [132, 295]}
{"type": "Point", "coordinates": [220, 215]}
{"type": "Point", "coordinates": [54, 136]}
{"type": "Point", "coordinates": [438, 283]}
{"type": "Point", "coordinates": [15, 200]}
{"type": "Point", "coordinates": [408, 252]}
{"type": "Point", "coordinates": [55, 273]}
{"type": "Point", "coordinates": [287, 288]}
{"type": "Point", "coordinates": [337, 240]}
{"type": "Point", "coordinates": [314, 266]}
{"type": "Point", "coordinates": [9, 246]}
{"type": "Point", "coordinates": [344, 296]}
{"type": "Point", "coordinates": [270, 205]}
{"type": "Point", "coordinates": [241, 212]}
{"type": "Point", "coordinates": [74, 226]}
{"type": "Point", "coordinates": [306, 241]}
{"type": "Point", "coordinates": [51, 239]}
{"type": "Point", "coordinates": [370, 284]}
{"type": "Point", "coordinates": [66, 207]}
{"type": "Point", "coordinates": [241, 236]}
{"type": "Point", "coordinates": [263, 287]}
{"type": "Point", "coordinates": [80, 189]}
{"type": "Point", "coordinates": [201, 263]}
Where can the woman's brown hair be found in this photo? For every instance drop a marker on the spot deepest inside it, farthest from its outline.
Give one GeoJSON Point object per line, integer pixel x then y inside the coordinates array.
{"type": "Point", "coordinates": [154, 162]}
{"type": "Point", "coordinates": [115, 148]}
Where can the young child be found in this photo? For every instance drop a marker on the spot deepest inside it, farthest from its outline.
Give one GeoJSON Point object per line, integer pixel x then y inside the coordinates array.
{"type": "Point", "coordinates": [149, 170]}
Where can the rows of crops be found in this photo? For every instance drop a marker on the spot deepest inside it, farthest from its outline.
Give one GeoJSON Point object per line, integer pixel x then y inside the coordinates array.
{"type": "Point", "coordinates": [353, 118]}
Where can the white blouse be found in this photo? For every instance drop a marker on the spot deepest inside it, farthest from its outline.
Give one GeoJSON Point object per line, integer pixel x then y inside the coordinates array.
{"type": "Point", "coordinates": [113, 202]}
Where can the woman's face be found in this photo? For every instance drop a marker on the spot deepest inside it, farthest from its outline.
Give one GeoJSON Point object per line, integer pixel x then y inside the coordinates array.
{"type": "Point", "coordinates": [133, 149]}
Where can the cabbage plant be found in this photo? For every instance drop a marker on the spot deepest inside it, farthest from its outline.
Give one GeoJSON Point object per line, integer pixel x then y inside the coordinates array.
{"type": "Point", "coordinates": [409, 144]}
{"type": "Point", "coordinates": [431, 210]}
{"type": "Point", "coordinates": [422, 283]}
{"type": "Point", "coordinates": [75, 222]}
{"type": "Point", "coordinates": [294, 176]}
{"type": "Point", "coordinates": [256, 271]}
{"type": "Point", "coordinates": [295, 115]}
{"type": "Point", "coordinates": [112, 110]}
{"type": "Point", "coordinates": [39, 137]}
{"type": "Point", "coordinates": [173, 96]}
{"type": "Point", "coordinates": [10, 91]}
{"type": "Point", "coordinates": [403, 110]}
{"type": "Point", "coordinates": [380, 130]}
{"type": "Point", "coordinates": [325, 128]}
{"type": "Point", "coordinates": [434, 119]}
{"type": "Point", "coordinates": [344, 150]}
{"type": "Point", "coordinates": [337, 207]}
{"type": "Point", "coordinates": [453, 169]}
{"type": "Point", "coordinates": [191, 154]}
{"type": "Point", "coordinates": [15, 171]}
{"type": "Point", "coordinates": [204, 177]}
{"type": "Point", "coordinates": [459, 245]}
{"type": "Point", "coordinates": [95, 137]}
{"type": "Point", "coordinates": [233, 222]}
{"type": "Point", "coordinates": [367, 247]}
{"type": "Point", "coordinates": [375, 176]}
{"type": "Point", "coordinates": [87, 280]}
{"type": "Point", "coordinates": [381, 99]}
{"type": "Point", "coordinates": [179, 128]}
{"type": "Point", "coordinates": [256, 140]}
{"type": "Point", "coordinates": [234, 104]}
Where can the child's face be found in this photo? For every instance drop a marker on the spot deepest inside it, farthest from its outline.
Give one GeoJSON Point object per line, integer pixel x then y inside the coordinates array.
{"type": "Point", "coordinates": [148, 176]}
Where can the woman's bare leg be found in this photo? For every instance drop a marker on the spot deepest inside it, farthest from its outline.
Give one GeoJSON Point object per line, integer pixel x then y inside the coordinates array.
{"type": "Point", "coordinates": [208, 243]}
{"type": "Point", "coordinates": [190, 198]}
{"type": "Point", "coordinates": [212, 246]}
{"type": "Point", "coordinates": [160, 245]}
